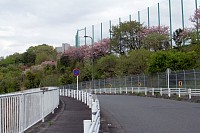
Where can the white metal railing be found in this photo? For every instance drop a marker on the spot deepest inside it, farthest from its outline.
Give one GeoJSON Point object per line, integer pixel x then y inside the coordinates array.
{"type": "Point", "coordinates": [127, 90]}
{"type": "Point", "coordinates": [20, 110]}
{"type": "Point", "coordinates": [90, 126]}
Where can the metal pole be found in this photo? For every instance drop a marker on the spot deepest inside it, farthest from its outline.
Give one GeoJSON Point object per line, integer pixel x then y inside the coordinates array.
{"type": "Point", "coordinates": [182, 9]}
{"type": "Point", "coordinates": [77, 39]}
{"type": "Point", "coordinates": [170, 19]}
{"type": "Point", "coordinates": [139, 16]}
{"type": "Point", "coordinates": [195, 80]}
{"type": "Point", "coordinates": [168, 71]}
{"type": "Point", "coordinates": [159, 15]}
{"type": "Point", "coordinates": [197, 21]}
{"type": "Point", "coordinates": [101, 32]}
{"type": "Point", "coordinates": [93, 57]}
{"type": "Point", "coordinates": [110, 34]}
{"type": "Point", "coordinates": [158, 80]}
{"type": "Point", "coordinates": [176, 79]}
{"type": "Point", "coordinates": [85, 35]}
{"type": "Point", "coordinates": [92, 34]}
{"type": "Point", "coordinates": [148, 11]}
{"type": "Point", "coordinates": [77, 88]}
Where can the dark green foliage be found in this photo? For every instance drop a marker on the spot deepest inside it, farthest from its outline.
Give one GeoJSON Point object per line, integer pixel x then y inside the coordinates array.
{"type": "Point", "coordinates": [174, 60]}
{"type": "Point", "coordinates": [106, 66]}
{"type": "Point", "coordinates": [29, 58]}
{"type": "Point", "coordinates": [126, 36]}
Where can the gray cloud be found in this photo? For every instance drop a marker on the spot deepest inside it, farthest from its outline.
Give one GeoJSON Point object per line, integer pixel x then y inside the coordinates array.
{"type": "Point", "coordinates": [31, 22]}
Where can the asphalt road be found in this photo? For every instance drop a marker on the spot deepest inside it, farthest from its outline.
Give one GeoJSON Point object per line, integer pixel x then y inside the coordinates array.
{"type": "Point", "coordinates": [134, 114]}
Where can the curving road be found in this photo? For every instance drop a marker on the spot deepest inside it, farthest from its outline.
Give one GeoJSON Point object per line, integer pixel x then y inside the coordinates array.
{"type": "Point", "coordinates": [151, 115]}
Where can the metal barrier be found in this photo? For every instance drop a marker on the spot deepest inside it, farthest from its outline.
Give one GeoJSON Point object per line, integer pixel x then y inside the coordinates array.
{"type": "Point", "coordinates": [127, 90]}
{"type": "Point", "coordinates": [20, 110]}
{"type": "Point", "coordinates": [90, 126]}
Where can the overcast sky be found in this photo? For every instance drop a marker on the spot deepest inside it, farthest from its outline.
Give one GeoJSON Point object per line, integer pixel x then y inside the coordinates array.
{"type": "Point", "coordinates": [25, 23]}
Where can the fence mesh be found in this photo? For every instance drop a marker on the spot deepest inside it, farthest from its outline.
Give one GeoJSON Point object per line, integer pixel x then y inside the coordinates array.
{"type": "Point", "coordinates": [172, 13]}
{"type": "Point", "coordinates": [177, 79]}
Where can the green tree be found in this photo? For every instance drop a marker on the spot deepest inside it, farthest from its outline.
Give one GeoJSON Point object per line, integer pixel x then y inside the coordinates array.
{"type": "Point", "coordinates": [105, 66]}
{"type": "Point", "coordinates": [138, 61]}
{"type": "Point", "coordinates": [42, 53]}
{"type": "Point", "coordinates": [29, 58]}
{"type": "Point", "coordinates": [126, 36]}
{"type": "Point", "coordinates": [174, 60]}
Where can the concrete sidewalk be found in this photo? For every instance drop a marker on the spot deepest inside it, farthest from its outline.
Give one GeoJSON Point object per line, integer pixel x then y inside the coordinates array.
{"type": "Point", "coordinates": [68, 118]}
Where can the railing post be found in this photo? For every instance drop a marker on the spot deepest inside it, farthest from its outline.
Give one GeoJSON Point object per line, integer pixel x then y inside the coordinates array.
{"type": "Point", "coordinates": [87, 124]}
{"type": "Point", "coordinates": [21, 113]}
{"type": "Point", "coordinates": [74, 94]}
{"type": "Point", "coordinates": [161, 91]}
{"type": "Point", "coordinates": [0, 115]}
{"type": "Point", "coordinates": [82, 94]}
{"type": "Point", "coordinates": [179, 92]}
{"type": "Point", "coordinates": [90, 101]}
{"type": "Point", "coordinates": [66, 92]}
{"type": "Point", "coordinates": [190, 93]}
{"type": "Point", "coordinates": [94, 108]}
{"type": "Point", "coordinates": [126, 90]}
{"type": "Point", "coordinates": [115, 90]}
{"type": "Point", "coordinates": [152, 91]}
{"type": "Point", "coordinates": [169, 92]}
{"type": "Point", "coordinates": [69, 92]}
{"type": "Point", "coordinates": [132, 88]}
{"type": "Point", "coordinates": [43, 106]}
{"type": "Point", "coordinates": [120, 91]}
{"type": "Point", "coordinates": [85, 97]}
{"type": "Point", "coordinates": [145, 91]}
{"type": "Point", "coordinates": [100, 91]}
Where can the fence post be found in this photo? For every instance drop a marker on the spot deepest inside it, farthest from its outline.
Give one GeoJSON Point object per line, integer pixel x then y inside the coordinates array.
{"type": "Point", "coordinates": [100, 91]}
{"type": "Point", "coordinates": [0, 115]}
{"type": "Point", "coordinates": [132, 90]}
{"type": "Point", "coordinates": [152, 91]}
{"type": "Point", "coordinates": [145, 91]}
{"type": "Point", "coordinates": [85, 97]}
{"type": "Point", "coordinates": [89, 101]}
{"type": "Point", "coordinates": [190, 93]}
{"type": "Point", "coordinates": [94, 107]}
{"type": "Point", "coordinates": [87, 124]}
{"type": "Point", "coordinates": [115, 91]}
{"type": "Point", "coordinates": [110, 90]}
{"type": "Point", "coordinates": [126, 90]}
{"type": "Point", "coordinates": [161, 91]}
{"type": "Point", "coordinates": [179, 92]}
{"type": "Point", "coordinates": [138, 89]}
{"type": "Point", "coordinates": [21, 113]}
{"type": "Point", "coordinates": [120, 91]}
{"type": "Point", "coordinates": [169, 92]}
{"type": "Point", "coordinates": [82, 94]}
{"type": "Point", "coordinates": [43, 106]}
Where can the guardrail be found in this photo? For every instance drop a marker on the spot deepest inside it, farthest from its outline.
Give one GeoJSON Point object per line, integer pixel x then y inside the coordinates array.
{"type": "Point", "coordinates": [90, 126]}
{"type": "Point", "coordinates": [127, 90]}
{"type": "Point", "coordinates": [20, 110]}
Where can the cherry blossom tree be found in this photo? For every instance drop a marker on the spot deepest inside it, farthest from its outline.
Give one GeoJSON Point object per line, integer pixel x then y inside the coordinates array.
{"type": "Point", "coordinates": [181, 35]}
{"type": "Point", "coordinates": [195, 18]}
{"type": "Point", "coordinates": [156, 38]}
{"type": "Point", "coordinates": [100, 48]}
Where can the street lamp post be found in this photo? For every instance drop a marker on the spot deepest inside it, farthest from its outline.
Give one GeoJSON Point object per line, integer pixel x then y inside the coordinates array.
{"type": "Point", "coordinates": [77, 37]}
{"type": "Point", "coordinates": [92, 42]}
